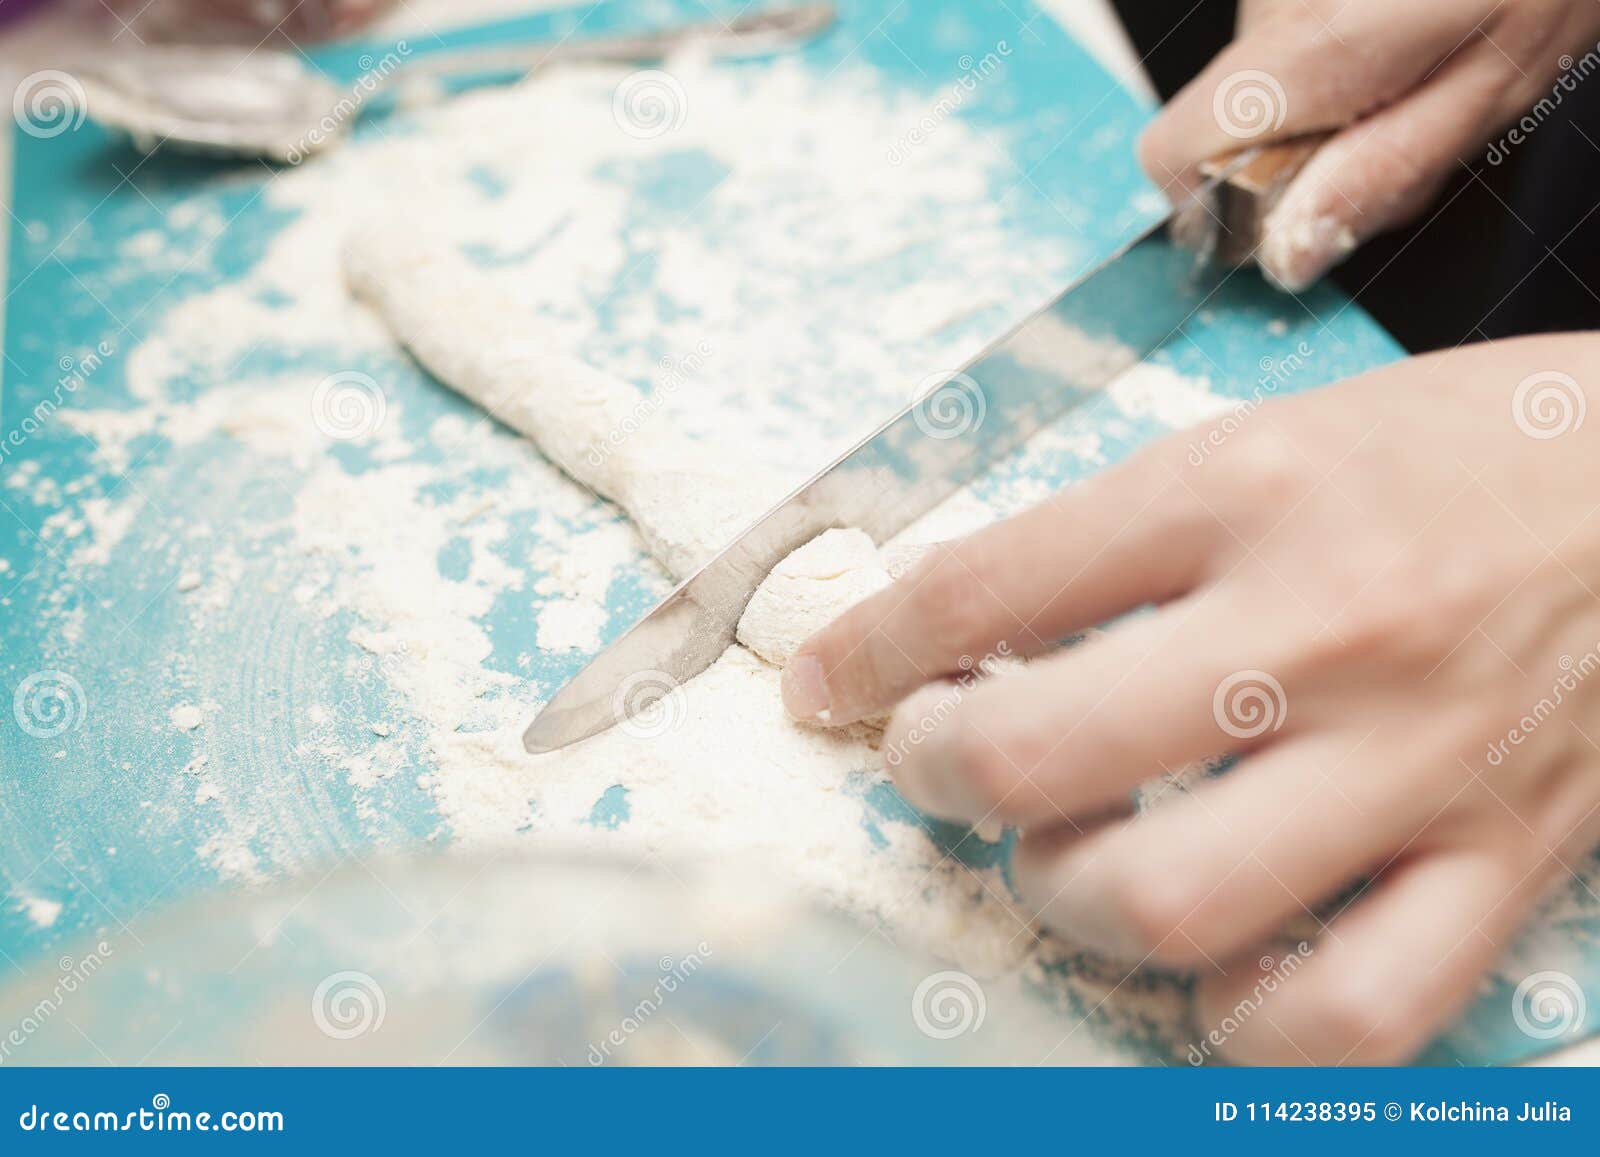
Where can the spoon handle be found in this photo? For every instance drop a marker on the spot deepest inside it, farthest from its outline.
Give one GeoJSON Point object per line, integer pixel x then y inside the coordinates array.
{"type": "Point", "coordinates": [747, 34]}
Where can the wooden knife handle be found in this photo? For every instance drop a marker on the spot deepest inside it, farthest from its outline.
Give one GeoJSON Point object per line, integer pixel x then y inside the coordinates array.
{"type": "Point", "coordinates": [1246, 197]}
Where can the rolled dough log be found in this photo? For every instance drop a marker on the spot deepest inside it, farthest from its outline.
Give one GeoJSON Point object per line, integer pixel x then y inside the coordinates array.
{"type": "Point", "coordinates": [688, 501]}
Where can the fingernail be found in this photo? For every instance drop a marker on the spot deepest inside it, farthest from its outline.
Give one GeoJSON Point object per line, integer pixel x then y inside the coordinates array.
{"type": "Point", "coordinates": [1296, 251]}
{"type": "Point", "coordinates": [805, 694]}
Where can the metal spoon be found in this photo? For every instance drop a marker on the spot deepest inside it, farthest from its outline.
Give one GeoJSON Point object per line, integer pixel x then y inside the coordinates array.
{"type": "Point", "coordinates": [268, 104]}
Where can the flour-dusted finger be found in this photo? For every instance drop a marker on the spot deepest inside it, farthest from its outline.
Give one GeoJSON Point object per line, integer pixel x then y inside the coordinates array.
{"type": "Point", "coordinates": [1207, 873]}
{"type": "Point", "coordinates": [1381, 172]}
{"type": "Point", "coordinates": [1132, 535]}
{"type": "Point", "coordinates": [1075, 732]}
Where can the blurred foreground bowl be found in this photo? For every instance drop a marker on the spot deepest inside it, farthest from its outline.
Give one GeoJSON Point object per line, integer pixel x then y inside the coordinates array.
{"type": "Point", "coordinates": [512, 959]}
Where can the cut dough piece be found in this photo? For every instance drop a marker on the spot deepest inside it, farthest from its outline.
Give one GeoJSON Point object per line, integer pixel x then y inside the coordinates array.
{"type": "Point", "coordinates": [808, 590]}
{"type": "Point", "coordinates": [688, 501]}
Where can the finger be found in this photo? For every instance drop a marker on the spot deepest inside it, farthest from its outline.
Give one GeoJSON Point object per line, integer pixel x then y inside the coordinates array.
{"type": "Point", "coordinates": [1379, 173]}
{"type": "Point", "coordinates": [1390, 973]}
{"type": "Point", "coordinates": [1131, 535]}
{"type": "Point", "coordinates": [1223, 867]}
{"type": "Point", "coordinates": [1072, 733]}
{"type": "Point", "coordinates": [1290, 76]}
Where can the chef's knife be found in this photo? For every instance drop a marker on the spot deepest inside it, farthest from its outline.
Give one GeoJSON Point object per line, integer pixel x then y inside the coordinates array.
{"type": "Point", "coordinates": [960, 422]}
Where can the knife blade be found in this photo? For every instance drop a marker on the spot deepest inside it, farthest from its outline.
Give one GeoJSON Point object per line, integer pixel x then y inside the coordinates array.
{"type": "Point", "coordinates": [959, 423]}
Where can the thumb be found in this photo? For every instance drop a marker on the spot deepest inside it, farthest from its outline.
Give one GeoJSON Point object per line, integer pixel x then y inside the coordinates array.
{"type": "Point", "coordinates": [1378, 173]}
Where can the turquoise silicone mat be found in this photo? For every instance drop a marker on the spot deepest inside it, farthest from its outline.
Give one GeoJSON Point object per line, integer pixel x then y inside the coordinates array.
{"type": "Point", "coordinates": [94, 819]}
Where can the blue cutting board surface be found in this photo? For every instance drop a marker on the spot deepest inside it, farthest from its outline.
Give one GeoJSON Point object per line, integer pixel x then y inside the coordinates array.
{"type": "Point", "coordinates": [94, 818]}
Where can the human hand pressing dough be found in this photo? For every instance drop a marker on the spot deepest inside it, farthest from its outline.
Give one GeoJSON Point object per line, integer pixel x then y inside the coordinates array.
{"type": "Point", "coordinates": [1383, 597]}
{"type": "Point", "coordinates": [1414, 90]}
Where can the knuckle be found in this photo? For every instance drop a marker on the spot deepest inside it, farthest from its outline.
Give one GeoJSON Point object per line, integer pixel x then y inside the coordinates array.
{"type": "Point", "coordinates": [1419, 612]}
{"type": "Point", "coordinates": [1266, 464]}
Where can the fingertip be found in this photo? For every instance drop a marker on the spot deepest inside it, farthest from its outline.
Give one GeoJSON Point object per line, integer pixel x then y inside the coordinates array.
{"type": "Point", "coordinates": [1298, 248]}
{"type": "Point", "coordinates": [805, 690]}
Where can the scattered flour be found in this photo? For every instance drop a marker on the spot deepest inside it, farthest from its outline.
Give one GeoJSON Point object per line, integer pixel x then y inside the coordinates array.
{"type": "Point", "coordinates": [42, 911]}
{"type": "Point", "coordinates": [742, 345]}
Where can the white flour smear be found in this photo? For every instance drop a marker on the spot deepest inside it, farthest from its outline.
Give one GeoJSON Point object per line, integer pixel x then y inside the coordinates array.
{"type": "Point", "coordinates": [747, 326]}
